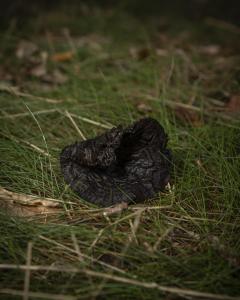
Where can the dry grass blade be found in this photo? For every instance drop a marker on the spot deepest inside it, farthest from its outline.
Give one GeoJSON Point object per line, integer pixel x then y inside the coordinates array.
{"type": "Point", "coordinates": [134, 229]}
{"type": "Point", "coordinates": [49, 111]}
{"type": "Point", "coordinates": [161, 238]}
{"type": "Point", "coordinates": [185, 293]}
{"type": "Point", "coordinates": [100, 233]}
{"type": "Point", "coordinates": [75, 125]}
{"type": "Point", "coordinates": [34, 147]}
{"type": "Point", "coordinates": [223, 25]}
{"type": "Point", "coordinates": [76, 246]}
{"type": "Point", "coordinates": [37, 295]}
{"type": "Point", "coordinates": [84, 256]}
{"type": "Point", "coordinates": [12, 90]}
{"type": "Point", "coordinates": [28, 272]}
{"type": "Point", "coordinates": [91, 121]}
{"type": "Point", "coordinates": [27, 114]}
{"type": "Point", "coordinates": [175, 104]}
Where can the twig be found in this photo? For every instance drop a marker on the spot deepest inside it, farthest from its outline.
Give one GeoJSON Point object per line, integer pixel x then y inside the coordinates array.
{"type": "Point", "coordinates": [30, 200]}
{"type": "Point", "coordinates": [116, 209]}
{"type": "Point", "coordinates": [133, 208]}
{"type": "Point", "coordinates": [75, 125]}
{"type": "Point", "coordinates": [26, 199]}
{"type": "Point", "coordinates": [27, 273]}
{"type": "Point", "coordinates": [186, 293]}
{"type": "Point", "coordinates": [27, 205]}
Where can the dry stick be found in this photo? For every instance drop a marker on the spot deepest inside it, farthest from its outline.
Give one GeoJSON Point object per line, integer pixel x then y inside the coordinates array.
{"type": "Point", "coordinates": [75, 125]}
{"type": "Point", "coordinates": [149, 207]}
{"type": "Point", "coordinates": [38, 295]}
{"type": "Point", "coordinates": [83, 255]}
{"type": "Point", "coordinates": [186, 293]}
{"type": "Point", "coordinates": [27, 273]}
{"type": "Point", "coordinates": [27, 205]}
{"type": "Point", "coordinates": [109, 210]}
{"type": "Point", "coordinates": [123, 206]}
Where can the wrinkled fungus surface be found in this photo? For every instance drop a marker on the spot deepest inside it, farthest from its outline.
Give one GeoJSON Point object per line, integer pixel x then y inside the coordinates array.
{"type": "Point", "coordinates": [121, 165]}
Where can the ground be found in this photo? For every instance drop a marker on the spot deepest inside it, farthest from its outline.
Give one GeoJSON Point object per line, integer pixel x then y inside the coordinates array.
{"type": "Point", "coordinates": [70, 74]}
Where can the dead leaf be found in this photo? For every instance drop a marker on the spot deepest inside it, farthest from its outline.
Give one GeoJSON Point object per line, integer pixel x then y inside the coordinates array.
{"type": "Point", "coordinates": [62, 56]}
{"type": "Point", "coordinates": [161, 52]}
{"type": "Point", "coordinates": [139, 53]}
{"type": "Point", "coordinates": [188, 116]}
{"type": "Point", "coordinates": [233, 104]}
{"type": "Point", "coordinates": [209, 49]}
{"type": "Point", "coordinates": [38, 71]}
{"type": "Point", "coordinates": [25, 49]}
{"type": "Point", "coordinates": [144, 108]}
{"type": "Point", "coordinates": [23, 205]}
{"type": "Point", "coordinates": [93, 41]}
{"type": "Point", "coordinates": [56, 77]}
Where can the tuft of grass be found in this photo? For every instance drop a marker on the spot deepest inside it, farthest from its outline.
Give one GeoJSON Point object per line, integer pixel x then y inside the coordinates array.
{"type": "Point", "coordinates": [185, 242]}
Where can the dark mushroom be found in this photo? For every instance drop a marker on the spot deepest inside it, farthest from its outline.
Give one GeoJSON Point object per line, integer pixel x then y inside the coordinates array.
{"type": "Point", "coordinates": [122, 165]}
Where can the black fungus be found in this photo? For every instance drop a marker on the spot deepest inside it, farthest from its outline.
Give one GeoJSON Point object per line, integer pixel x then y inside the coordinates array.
{"type": "Point", "coordinates": [121, 165]}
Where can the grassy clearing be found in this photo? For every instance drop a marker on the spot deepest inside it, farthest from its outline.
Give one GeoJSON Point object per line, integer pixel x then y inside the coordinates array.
{"type": "Point", "coordinates": [188, 238]}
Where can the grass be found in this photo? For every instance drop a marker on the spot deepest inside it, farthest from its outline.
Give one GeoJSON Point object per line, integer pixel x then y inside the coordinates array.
{"type": "Point", "coordinates": [187, 239]}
